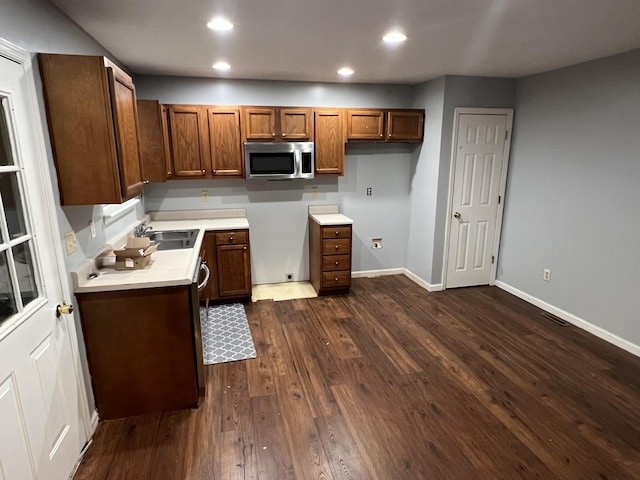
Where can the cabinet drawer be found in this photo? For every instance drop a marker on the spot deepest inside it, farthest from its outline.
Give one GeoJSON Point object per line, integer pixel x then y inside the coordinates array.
{"type": "Point", "coordinates": [336, 279]}
{"type": "Point", "coordinates": [336, 262]}
{"type": "Point", "coordinates": [336, 232]}
{"type": "Point", "coordinates": [231, 238]}
{"type": "Point", "coordinates": [338, 246]}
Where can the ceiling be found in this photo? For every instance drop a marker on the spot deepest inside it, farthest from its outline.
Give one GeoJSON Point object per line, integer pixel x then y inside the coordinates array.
{"type": "Point", "coordinates": [309, 40]}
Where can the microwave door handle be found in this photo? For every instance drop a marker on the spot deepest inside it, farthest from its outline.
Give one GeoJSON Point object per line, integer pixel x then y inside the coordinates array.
{"type": "Point", "coordinates": [297, 163]}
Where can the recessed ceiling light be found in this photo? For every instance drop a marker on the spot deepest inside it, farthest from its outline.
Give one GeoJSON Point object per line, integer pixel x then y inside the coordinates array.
{"type": "Point", "coordinates": [221, 66]}
{"type": "Point", "coordinates": [394, 37]}
{"type": "Point", "coordinates": [345, 71]}
{"type": "Point", "coordinates": [220, 24]}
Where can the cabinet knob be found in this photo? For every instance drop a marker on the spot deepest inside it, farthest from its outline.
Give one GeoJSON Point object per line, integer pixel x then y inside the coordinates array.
{"type": "Point", "coordinates": [284, 134]}
{"type": "Point", "coordinates": [244, 248]}
{"type": "Point", "coordinates": [337, 233]}
{"type": "Point", "coordinates": [146, 182]}
{"type": "Point", "coordinates": [169, 174]}
{"type": "Point", "coordinates": [273, 134]}
{"type": "Point", "coordinates": [213, 171]}
{"type": "Point", "coordinates": [389, 135]}
{"type": "Point", "coordinates": [337, 247]}
{"type": "Point", "coordinates": [336, 279]}
{"type": "Point", "coordinates": [204, 172]}
{"type": "Point", "coordinates": [381, 135]}
{"type": "Point", "coordinates": [336, 263]}
{"type": "Point", "coordinates": [231, 239]}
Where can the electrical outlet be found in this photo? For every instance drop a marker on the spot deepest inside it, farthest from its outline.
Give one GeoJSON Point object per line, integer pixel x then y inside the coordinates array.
{"type": "Point", "coordinates": [70, 242]}
{"type": "Point", "coordinates": [314, 192]}
{"type": "Point", "coordinates": [369, 191]}
{"type": "Point", "coordinates": [546, 275]}
{"type": "Point", "coordinates": [376, 243]}
{"type": "Point", "coordinates": [205, 196]}
{"type": "Point", "coordinates": [288, 277]}
{"type": "Point", "coordinates": [92, 229]}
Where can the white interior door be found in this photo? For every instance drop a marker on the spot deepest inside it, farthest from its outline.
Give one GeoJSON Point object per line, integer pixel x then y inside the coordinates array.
{"type": "Point", "coordinates": [42, 421]}
{"type": "Point", "coordinates": [479, 161]}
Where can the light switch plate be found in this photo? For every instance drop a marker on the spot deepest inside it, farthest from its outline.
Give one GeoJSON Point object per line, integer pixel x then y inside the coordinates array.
{"type": "Point", "coordinates": [70, 242]}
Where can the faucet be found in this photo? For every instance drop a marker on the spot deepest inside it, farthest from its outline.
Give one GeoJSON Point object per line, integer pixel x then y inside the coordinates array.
{"type": "Point", "coordinates": [141, 229]}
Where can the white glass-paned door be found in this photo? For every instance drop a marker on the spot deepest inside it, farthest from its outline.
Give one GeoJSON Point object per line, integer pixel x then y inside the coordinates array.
{"type": "Point", "coordinates": [19, 279]}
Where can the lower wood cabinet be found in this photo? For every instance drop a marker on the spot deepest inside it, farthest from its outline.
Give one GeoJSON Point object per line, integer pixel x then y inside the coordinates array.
{"type": "Point", "coordinates": [329, 257]}
{"type": "Point", "coordinates": [229, 258]}
{"type": "Point", "coordinates": [144, 349]}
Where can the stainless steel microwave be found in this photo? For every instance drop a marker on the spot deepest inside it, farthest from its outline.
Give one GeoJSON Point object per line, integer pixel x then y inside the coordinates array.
{"type": "Point", "coordinates": [279, 160]}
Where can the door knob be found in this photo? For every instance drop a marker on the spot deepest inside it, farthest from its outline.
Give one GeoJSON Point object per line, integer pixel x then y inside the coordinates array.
{"type": "Point", "coordinates": [457, 215]}
{"type": "Point", "coordinates": [64, 309]}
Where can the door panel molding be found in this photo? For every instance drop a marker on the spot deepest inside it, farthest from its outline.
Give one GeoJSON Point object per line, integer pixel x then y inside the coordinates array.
{"type": "Point", "coordinates": [470, 136]}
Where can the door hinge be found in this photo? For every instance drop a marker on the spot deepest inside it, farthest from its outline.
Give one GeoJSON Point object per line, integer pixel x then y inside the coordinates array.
{"type": "Point", "coordinates": [506, 134]}
{"type": "Point", "coordinates": [493, 259]}
{"type": "Point", "coordinates": [499, 199]}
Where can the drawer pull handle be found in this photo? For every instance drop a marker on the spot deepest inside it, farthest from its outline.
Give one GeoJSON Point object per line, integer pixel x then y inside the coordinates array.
{"type": "Point", "coordinates": [231, 239]}
{"type": "Point", "coordinates": [336, 263]}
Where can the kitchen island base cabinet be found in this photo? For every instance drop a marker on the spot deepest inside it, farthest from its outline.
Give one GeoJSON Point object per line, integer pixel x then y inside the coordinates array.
{"type": "Point", "coordinates": [329, 258]}
{"type": "Point", "coordinates": [144, 349]}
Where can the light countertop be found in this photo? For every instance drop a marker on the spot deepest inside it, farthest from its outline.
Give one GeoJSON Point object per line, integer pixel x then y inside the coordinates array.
{"type": "Point", "coordinates": [331, 219]}
{"type": "Point", "coordinates": [167, 267]}
{"type": "Point", "coordinates": [328, 215]}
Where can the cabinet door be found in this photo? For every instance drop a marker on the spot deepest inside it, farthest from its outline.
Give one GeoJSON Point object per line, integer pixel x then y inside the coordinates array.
{"type": "Point", "coordinates": [224, 140]}
{"type": "Point", "coordinates": [234, 270]}
{"type": "Point", "coordinates": [153, 141]}
{"type": "Point", "coordinates": [259, 124]}
{"type": "Point", "coordinates": [365, 125]}
{"type": "Point", "coordinates": [189, 140]}
{"type": "Point", "coordinates": [329, 142]}
{"type": "Point", "coordinates": [125, 115]}
{"type": "Point", "coordinates": [405, 125]}
{"type": "Point", "coordinates": [208, 253]}
{"type": "Point", "coordinates": [295, 124]}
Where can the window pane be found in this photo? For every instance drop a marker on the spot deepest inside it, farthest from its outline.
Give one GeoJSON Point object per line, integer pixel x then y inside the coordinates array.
{"type": "Point", "coordinates": [25, 272]}
{"type": "Point", "coordinates": [12, 204]}
{"type": "Point", "coordinates": [6, 158]}
{"type": "Point", "coordinates": [7, 299]}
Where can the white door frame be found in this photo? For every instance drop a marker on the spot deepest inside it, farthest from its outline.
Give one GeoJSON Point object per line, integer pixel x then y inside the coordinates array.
{"type": "Point", "coordinates": [503, 184]}
{"type": "Point", "coordinates": [24, 58]}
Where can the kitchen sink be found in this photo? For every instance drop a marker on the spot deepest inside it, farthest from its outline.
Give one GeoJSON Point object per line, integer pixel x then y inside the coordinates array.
{"type": "Point", "coordinates": [172, 239]}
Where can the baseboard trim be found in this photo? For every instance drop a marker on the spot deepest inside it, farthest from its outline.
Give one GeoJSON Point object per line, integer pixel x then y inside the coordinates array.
{"type": "Point", "coordinates": [377, 273]}
{"type": "Point", "coordinates": [573, 319]}
{"type": "Point", "coordinates": [93, 423]}
{"type": "Point", "coordinates": [429, 287]}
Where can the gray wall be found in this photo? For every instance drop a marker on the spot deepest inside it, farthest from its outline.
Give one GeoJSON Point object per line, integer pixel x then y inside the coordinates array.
{"type": "Point", "coordinates": [573, 192]}
{"type": "Point", "coordinates": [423, 193]}
{"type": "Point", "coordinates": [277, 211]}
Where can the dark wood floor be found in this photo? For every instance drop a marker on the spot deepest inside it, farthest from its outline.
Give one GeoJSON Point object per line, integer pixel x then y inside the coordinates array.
{"type": "Point", "coordinates": [392, 382]}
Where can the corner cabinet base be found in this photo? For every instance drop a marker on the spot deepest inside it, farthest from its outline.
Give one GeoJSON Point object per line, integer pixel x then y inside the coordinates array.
{"type": "Point", "coordinates": [329, 258]}
{"type": "Point", "coordinates": [142, 350]}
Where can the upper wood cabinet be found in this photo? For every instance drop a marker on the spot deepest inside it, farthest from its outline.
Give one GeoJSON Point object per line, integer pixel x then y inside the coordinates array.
{"type": "Point", "coordinates": [189, 133]}
{"type": "Point", "coordinates": [277, 124]}
{"type": "Point", "coordinates": [405, 125]}
{"type": "Point", "coordinates": [374, 125]}
{"type": "Point", "coordinates": [93, 125]}
{"type": "Point", "coordinates": [329, 141]}
{"type": "Point", "coordinates": [154, 141]}
{"type": "Point", "coordinates": [365, 125]}
{"type": "Point", "coordinates": [224, 141]}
